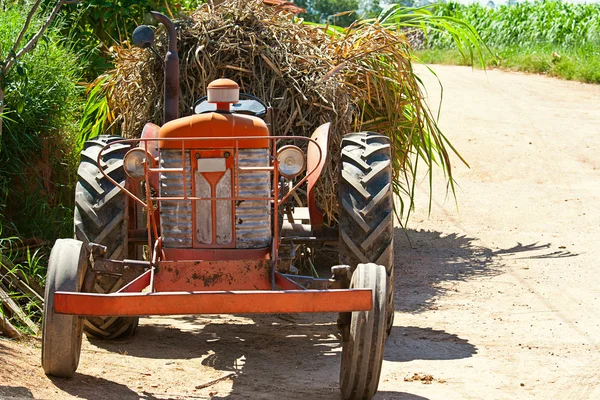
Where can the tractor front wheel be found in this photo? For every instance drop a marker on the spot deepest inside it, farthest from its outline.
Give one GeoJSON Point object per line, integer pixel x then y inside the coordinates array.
{"type": "Point", "coordinates": [362, 351]}
{"type": "Point", "coordinates": [61, 333]}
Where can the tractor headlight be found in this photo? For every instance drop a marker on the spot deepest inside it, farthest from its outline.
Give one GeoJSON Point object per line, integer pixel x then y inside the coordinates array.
{"type": "Point", "coordinates": [134, 161]}
{"type": "Point", "coordinates": [291, 161]}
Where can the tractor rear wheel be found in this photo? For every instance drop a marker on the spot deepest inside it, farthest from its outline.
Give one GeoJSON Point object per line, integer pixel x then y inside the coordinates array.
{"type": "Point", "coordinates": [61, 333]}
{"type": "Point", "coordinates": [100, 217]}
{"type": "Point", "coordinates": [362, 353]}
{"type": "Point", "coordinates": [366, 216]}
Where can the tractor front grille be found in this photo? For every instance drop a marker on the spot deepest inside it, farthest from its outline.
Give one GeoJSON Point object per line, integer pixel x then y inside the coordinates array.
{"type": "Point", "coordinates": [252, 218]}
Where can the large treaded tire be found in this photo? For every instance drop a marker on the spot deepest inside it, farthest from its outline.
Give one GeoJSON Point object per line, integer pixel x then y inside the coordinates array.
{"type": "Point", "coordinates": [100, 209]}
{"type": "Point", "coordinates": [61, 333]}
{"type": "Point", "coordinates": [366, 217]}
{"type": "Point", "coordinates": [362, 353]}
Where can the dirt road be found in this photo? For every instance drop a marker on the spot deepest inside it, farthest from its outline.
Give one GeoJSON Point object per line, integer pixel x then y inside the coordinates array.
{"type": "Point", "coordinates": [499, 299]}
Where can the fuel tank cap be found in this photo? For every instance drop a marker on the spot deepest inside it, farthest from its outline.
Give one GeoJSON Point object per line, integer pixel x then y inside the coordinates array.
{"type": "Point", "coordinates": [223, 91]}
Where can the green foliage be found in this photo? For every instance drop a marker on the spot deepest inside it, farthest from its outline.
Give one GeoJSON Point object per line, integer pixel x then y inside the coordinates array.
{"type": "Point", "coordinates": [525, 24]}
{"type": "Point", "coordinates": [579, 63]}
{"type": "Point", "coordinates": [416, 137]}
{"type": "Point", "coordinates": [336, 12]}
{"type": "Point", "coordinates": [36, 157]}
{"type": "Point", "coordinates": [111, 21]}
{"type": "Point", "coordinates": [93, 26]}
{"type": "Point", "coordinates": [549, 37]}
{"type": "Point", "coordinates": [97, 115]}
{"type": "Point", "coordinates": [458, 31]}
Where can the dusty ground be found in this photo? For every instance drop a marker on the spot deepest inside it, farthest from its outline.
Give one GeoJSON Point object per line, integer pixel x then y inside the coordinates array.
{"type": "Point", "coordinates": [499, 299]}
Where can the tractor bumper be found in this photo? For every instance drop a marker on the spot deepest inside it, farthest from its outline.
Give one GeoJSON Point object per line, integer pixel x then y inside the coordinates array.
{"type": "Point", "coordinates": [213, 302]}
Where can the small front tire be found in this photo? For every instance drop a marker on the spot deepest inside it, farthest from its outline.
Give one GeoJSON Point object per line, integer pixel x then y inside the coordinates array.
{"type": "Point", "coordinates": [362, 352]}
{"type": "Point", "coordinates": [61, 333]}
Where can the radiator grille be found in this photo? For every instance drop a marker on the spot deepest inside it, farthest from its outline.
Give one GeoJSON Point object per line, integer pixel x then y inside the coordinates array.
{"type": "Point", "coordinates": [252, 218]}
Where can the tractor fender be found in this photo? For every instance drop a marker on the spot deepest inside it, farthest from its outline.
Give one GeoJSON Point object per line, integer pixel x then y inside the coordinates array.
{"type": "Point", "coordinates": [150, 131]}
{"type": "Point", "coordinates": [315, 161]}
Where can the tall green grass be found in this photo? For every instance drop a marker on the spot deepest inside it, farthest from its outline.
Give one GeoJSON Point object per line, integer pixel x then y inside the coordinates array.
{"type": "Point", "coordinates": [550, 37]}
{"type": "Point", "coordinates": [40, 125]}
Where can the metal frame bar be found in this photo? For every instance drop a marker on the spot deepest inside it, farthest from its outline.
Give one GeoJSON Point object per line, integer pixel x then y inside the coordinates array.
{"type": "Point", "coordinates": [214, 302]}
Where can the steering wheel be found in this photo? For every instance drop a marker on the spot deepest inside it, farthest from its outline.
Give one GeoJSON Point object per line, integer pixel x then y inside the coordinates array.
{"type": "Point", "coordinates": [248, 105]}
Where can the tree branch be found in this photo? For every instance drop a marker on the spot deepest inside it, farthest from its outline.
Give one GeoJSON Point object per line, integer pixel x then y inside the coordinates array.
{"type": "Point", "coordinates": [24, 30]}
{"type": "Point", "coordinates": [33, 41]}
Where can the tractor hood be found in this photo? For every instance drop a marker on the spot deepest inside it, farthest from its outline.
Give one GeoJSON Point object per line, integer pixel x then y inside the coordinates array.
{"type": "Point", "coordinates": [214, 125]}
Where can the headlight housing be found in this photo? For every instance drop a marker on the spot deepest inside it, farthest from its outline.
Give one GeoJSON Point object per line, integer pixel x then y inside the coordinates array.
{"type": "Point", "coordinates": [291, 161]}
{"type": "Point", "coordinates": [133, 162]}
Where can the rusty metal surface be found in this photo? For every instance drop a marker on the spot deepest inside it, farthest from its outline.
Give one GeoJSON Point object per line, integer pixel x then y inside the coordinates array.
{"type": "Point", "coordinates": [212, 275]}
{"type": "Point", "coordinates": [216, 302]}
{"type": "Point", "coordinates": [137, 235]}
{"type": "Point", "coordinates": [213, 219]}
{"type": "Point", "coordinates": [177, 206]}
{"type": "Point", "coordinates": [138, 284]}
{"type": "Point", "coordinates": [119, 266]}
{"type": "Point", "coordinates": [215, 254]}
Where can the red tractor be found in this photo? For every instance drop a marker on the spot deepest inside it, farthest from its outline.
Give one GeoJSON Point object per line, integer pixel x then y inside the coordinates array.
{"type": "Point", "coordinates": [197, 217]}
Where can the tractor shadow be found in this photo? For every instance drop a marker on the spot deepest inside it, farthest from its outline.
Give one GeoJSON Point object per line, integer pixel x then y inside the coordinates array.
{"type": "Point", "coordinates": [15, 392]}
{"type": "Point", "coordinates": [92, 387]}
{"type": "Point", "coordinates": [428, 264]}
{"type": "Point", "coordinates": [266, 354]}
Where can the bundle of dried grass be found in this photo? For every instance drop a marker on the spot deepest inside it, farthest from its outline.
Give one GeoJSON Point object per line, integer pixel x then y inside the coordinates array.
{"type": "Point", "coordinates": [357, 79]}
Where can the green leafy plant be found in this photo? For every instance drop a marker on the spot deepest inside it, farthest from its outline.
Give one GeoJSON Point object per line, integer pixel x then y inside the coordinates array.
{"type": "Point", "coordinates": [97, 115]}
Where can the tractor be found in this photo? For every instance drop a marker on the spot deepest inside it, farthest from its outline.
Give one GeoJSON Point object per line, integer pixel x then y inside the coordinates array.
{"type": "Point", "coordinates": [198, 216]}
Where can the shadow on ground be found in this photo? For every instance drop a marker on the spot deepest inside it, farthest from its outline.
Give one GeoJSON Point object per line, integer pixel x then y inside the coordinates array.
{"type": "Point", "coordinates": [385, 395]}
{"type": "Point", "coordinates": [408, 343]}
{"type": "Point", "coordinates": [92, 387]}
{"type": "Point", "coordinates": [15, 392]}
{"type": "Point", "coordinates": [429, 263]}
{"type": "Point", "coordinates": [298, 353]}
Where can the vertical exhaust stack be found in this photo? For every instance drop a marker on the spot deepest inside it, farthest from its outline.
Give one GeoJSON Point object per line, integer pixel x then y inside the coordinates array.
{"type": "Point", "coordinates": [171, 101]}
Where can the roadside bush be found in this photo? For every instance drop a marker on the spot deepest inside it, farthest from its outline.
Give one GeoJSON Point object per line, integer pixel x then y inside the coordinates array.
{"type": "Point", "coordinates": [37, 158]}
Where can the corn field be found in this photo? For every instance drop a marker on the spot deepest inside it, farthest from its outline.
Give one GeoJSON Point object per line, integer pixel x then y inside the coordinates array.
{"type": "Point", "coordinates": [527, 24]}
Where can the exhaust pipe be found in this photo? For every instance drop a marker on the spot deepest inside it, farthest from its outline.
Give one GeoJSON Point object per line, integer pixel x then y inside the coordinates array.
{"type": "Point", "coordinates": [171, 98]}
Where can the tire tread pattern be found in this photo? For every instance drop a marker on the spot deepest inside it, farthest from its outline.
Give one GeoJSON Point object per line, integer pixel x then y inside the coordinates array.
{"type": "Point", "coordinates": [366, 218]}
{"type": "Point", "coordinates": [100, 208]}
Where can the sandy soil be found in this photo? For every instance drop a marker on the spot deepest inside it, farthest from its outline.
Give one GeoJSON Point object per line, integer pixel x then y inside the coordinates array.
{"type": "Point", "coordinates": [497, 299]}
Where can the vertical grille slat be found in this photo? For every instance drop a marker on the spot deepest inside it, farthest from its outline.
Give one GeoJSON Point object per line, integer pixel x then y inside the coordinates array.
{"type": "Point", "coordinates": [175, 216]}
{"type": "Point", "coordinates": [253, 218]}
